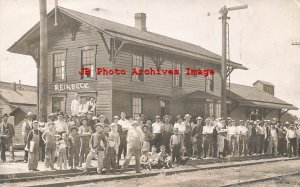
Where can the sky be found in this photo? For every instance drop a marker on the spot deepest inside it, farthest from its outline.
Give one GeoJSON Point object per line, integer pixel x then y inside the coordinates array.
{"type": "Point", "coordinates": [260, 36]}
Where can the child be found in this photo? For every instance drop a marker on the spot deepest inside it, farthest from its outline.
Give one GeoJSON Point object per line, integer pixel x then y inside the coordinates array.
{"type": "Point", "coordinates": [74, 151]}
{"type": "Point", "coordinates": [153, 157]}
{"type": "Point", "coordinates": [164, 160]}
{"type": "Point", "coordinates": [62, 151]}
{"type": "Point", "coordinates": [97, 144]}
{"type": "Point", "coordinates": [175, 144]}
{"type": "Point", "coordinates": [184, 156]}
{"type": "Point", "coordinates": [85, 134]}
{"type": "Point", "coordinates": [113, 142]}
{"type": "Point", "coordinates": [146, 139]}
{"type": "Point", "coordinates": [145, 161]}
{"type": "Point", "coordinates": [50, 146]}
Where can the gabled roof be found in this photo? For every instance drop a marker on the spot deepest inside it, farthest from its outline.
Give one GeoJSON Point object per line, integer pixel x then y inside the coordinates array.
{"type": "Point", "coordinates": [25, 109]}
{"type": "Point", "coordinates": [263, 82]}
{"type": "Point", "coordinates": [19, 97]}
{"type": "Point", "coordinates": [251, 96]}
{"type": "Point", "coordinates": [136, 36]}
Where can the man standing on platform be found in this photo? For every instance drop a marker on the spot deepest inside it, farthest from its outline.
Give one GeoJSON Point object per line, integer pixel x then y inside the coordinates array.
{"type": "Point", "coordinates": [27, 126]}
{"type": "Point", "coordinates": [123, 134]}
{"type": "Point", "coordinates": [7, 132]}
{"type": "Point", "coordinates": [75, 105]}
{"type": "Point", "coordinates": [157, 130]}
{"type": "Point", "coordinates": [134, 145]}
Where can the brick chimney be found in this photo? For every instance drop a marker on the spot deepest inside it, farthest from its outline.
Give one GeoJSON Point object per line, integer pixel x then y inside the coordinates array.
{"type": "Point", "coordinates": [140, 21]}
{"type": "Point", "coordinates": [14, 86]}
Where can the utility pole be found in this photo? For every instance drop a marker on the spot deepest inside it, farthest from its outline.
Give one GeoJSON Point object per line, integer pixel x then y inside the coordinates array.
{"type": "Point", "coordinates": [224, 11]}
{"type": "Point", "coordinates": [43, 68]}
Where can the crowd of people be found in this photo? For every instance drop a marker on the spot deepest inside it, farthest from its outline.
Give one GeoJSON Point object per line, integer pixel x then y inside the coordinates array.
{"type": "Point", "coordinates": [74, 141]}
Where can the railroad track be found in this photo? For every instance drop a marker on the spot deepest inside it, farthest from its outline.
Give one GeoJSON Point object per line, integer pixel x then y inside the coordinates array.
{"type": "Point", "coordinates": [260, 180]}
{"type": "Point", "coordinates": [69, 174]}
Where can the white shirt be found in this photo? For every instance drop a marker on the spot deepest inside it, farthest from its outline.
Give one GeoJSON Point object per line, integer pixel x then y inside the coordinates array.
{"type": "Point", "coordinates": [157, 127]}
{"type": "Point", "coordinates": [60, 126]}
{"type": "Point", "coordinates": [83, 108]}
{"type": "Point", "coordinates": [232, 130]}
{"type": "Point", "coordinates": [180, 127]}
{"type": "Point", "coordinates": [124, 123]}
{"type": "Point", "coordinates": [208, 129]}
{"type": "Point", "coordinates": [24, 125]}
{"type": "Point", "coordinates": [75, 107]}
{"type": "Point", "coordinates": [273, 133]}
{"type": "Point", "coordinates": [291, 134]}
{"type": "Point", "coordinates": [242, 130]}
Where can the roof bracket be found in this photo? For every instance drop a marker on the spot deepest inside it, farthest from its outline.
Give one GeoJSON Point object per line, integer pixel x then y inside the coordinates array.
{"type": "Point", "coordinates": [229, 71]}
{"type": "Point", "coordinates": [104, 41]}
{"type": "Point", "coordinates": [282, 113]}
{"type": "Point", "coordinates": [116, 51]}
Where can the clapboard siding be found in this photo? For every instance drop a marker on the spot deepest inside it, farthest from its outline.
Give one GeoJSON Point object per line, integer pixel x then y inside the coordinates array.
{"type": "Point", "coordinates": [100, 86]}
{"type": "Point", "coordinates": [159, 83]}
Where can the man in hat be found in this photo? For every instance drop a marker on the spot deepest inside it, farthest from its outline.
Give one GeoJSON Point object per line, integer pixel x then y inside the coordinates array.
{"type": "Point", "coordinates": [26, 127]}
{"type": "Point", "coordinates": [83, 106]}
{"type": "Point", "coordinates": [101, 119]}
{"type": "Point", "coordinates": [197, 138]}
{"type": "Point", "coordinates": [181, 128]}
{"type": "Point", "coordinates": [98, 145]}
{"type": "Point", "coordinates": [113, 142]}
{"type": "Point", "coordinates": [207, 140]}
{"type": "Point", "coordinates": [134, 145]}
{"type": "Point", "coordinates": [124, 123]}
{"type": "Point", "coordinates": [42, 129]}
{"type": "Point", "coordinates": [75, 105]}
{"type": "Point", "coordinates": [7, 132]}
{"type": "Point", "coordinates": [188, 134]}
{"type": "Point", "coordinates": [157, 130]}
{"type": "Point", "coordinates": [60, 124]}
{"type": "Point", "coordinates": [291, 138]}
{"type": "Point", "coordinates": [32, 146]}
{"type": "Point", "coordinates": [93, 123]}
{"type": "Point", "coordinates": [167, 131]}
{"type": "Point", "coordinates": [242, 140]}
{"type": "Point", "coordinates": [92, 105]}
{"type": "Point", "coordinates": [273, 141]}
{"type": "Point", "coordinates": [85, 133]}
{"type": "Point", "coordinates": [74, 150]}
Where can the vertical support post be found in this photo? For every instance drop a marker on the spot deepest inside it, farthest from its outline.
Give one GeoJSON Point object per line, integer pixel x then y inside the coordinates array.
{"type": "Point", "coordinates": [224, 12]}
{"type": "Point", "coordinates": [43, 83]}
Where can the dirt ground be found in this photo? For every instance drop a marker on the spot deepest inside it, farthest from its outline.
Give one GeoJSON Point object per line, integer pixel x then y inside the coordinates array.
{"type": "Point", "coordinates": [215, 177]}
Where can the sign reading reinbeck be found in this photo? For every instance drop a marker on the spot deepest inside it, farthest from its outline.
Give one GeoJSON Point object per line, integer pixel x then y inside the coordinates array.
{"type": "Point", "coordinates": [71, 87]}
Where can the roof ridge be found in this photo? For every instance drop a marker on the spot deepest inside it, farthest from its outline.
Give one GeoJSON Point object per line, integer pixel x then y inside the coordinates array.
{"type": "Point", "coordinates": [150, 32]}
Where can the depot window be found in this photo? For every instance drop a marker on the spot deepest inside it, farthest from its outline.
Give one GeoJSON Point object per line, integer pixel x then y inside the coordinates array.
{"type": "Point", "coordinates": [164, 107]}
{"type": "Point", "coordinates": [88, 61]}
{"type": "Point", "coordinates": [138, 63]}
{"type": "Point", "coordinates": [210, 83]}
{"type": "Point", "coordinates": [59, 66]}
{"type": "Point", "coordinates": [137, 105]}
{"type": "Point", "coordinates": [177, 78]}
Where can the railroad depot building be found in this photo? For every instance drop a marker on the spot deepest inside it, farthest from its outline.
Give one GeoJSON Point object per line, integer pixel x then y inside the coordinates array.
{"type": "Point", "coordinates": [84, 41]}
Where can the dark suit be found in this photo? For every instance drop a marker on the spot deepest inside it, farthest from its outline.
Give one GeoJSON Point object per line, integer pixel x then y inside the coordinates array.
{"type": "Point", "coordinates": [7, 132]}
{"type": "Point", "coordinates": [123, 142]}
